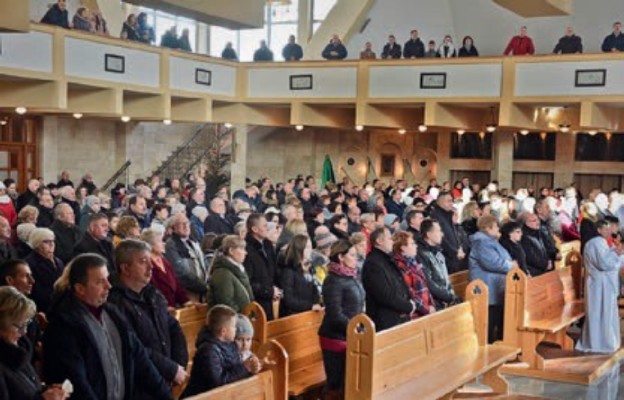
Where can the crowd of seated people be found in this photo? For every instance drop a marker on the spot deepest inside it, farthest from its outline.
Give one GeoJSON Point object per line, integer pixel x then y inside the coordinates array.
{"type": "Point", "coordinates": [106, 268]}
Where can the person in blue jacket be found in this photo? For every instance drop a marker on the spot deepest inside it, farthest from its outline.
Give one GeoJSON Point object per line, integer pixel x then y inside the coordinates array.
{"type": "Point", "coordinates": [615, 41]}
{"type": "Point", "coordinates": [490, 262]}
{"type": "Point", "coordinates": [335, 50]}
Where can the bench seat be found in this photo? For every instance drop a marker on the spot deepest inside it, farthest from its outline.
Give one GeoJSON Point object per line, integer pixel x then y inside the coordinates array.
{"type": "Point", "coordinates": [570, 313]}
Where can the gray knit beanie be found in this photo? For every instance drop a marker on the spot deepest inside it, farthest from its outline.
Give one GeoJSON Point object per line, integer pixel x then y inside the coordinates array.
{"type": "Point", "coordinates": [243, 326]}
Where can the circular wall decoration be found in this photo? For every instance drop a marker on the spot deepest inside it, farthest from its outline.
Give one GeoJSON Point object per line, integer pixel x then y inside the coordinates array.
{"type": "Point", "coordinates": [350, 161]}
{"type": "Point", "coordinates": [424, 163]}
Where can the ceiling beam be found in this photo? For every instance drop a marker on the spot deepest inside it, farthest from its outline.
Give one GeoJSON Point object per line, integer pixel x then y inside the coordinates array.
{"type": "Point", "coordinates": [537, 8]}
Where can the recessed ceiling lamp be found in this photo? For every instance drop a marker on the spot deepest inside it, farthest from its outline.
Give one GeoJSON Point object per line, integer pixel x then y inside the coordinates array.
{"type": "Point", "coordinates": [228, 125]}
{"type": "Point", "coordinates": [3, 122]}
{"type": "Point", "coordinates": [359, 128]}
{"type": "Point", "coordinates": [77, 115]}
{"type": "Point", "coordinates": [167, 121]}
{"type": "Point", "coordinates": [299, 127]}
{"type": "Point", "coordinates": [524, 132]}
{"type": "Point", "coordinates": [592, 133]}
{"type": "Point", "coordinates": [461, 132]}
{"type": "Point", "coordinates": [422, 128]}
{"type": "Point", "coordinates": [402, 131]}
{"type": "Point", "coordinates": [21, 110]}
{"type": "Point", "coordinates": [125, 118]}
{"type": "Point", "coordinates": [491, 126]}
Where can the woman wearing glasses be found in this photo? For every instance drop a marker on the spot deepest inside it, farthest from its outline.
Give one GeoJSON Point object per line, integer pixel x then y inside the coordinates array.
{"type": "Point", "coordinates": [18, 379]}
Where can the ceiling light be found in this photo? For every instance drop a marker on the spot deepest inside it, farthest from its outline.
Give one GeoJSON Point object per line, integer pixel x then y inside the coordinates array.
{"type": "Point", "coordinates": [228, 125]}
{"type": "Point", "coordinates": [592, 133]}
{"type": "Point", "coordinates": [564, 128]}
{"type": "Point", "coordinates": [359, 128]}
{"type": "Point", "coordinates": [461, 132]}
{"type": "Point", "coordinates": [167, 121]}
{"type": "Point", "coordinates": [21, 110]}
{"type": "Point", "coordinates": [491, 126]}
{"type": "Point", "coordinates": [402, 131]}
{"type": "Point", "coordinates": [299, 127]}
{"type": "Point", "coordinates": [77, 115]}
{"type": "Point", "coordinates": [524, 132]}
{"type": "Point", "coordinates": [3, 122]}
{"type": "Point", "coordinates": [422, 128]}
{"type": "Point", "coordinates": [125, 118]}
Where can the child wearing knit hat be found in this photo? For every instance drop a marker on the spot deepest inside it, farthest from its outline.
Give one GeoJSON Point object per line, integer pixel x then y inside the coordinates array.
{"type": "Point", "coordinates": [244, 335]}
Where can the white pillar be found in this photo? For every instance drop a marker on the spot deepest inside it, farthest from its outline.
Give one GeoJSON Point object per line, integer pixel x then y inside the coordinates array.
{"type": "Point", "coordinates": [239, 157]}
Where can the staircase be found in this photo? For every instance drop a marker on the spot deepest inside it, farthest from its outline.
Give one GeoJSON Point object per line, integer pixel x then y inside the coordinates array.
{"type": "Point", "coordinates": [121, 175]}
{"type": "Point", "coordinates": [205, 146]}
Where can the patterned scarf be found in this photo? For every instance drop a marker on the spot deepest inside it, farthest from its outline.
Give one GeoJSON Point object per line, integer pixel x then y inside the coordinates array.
{"type": "Point", "coordinates": [342, 270]}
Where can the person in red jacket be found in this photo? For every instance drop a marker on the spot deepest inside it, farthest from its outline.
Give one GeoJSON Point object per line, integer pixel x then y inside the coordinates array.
{"type": "Point", "coordinates": [521, 44]}
{"type": "Point", "coordinates": [7, 209]}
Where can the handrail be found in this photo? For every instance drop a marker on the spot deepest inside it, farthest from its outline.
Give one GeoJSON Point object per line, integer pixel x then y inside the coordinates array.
{"type": "Point", "coordinates": [116, 175]}
{"type": "Point", "coordinates": [174, 155]}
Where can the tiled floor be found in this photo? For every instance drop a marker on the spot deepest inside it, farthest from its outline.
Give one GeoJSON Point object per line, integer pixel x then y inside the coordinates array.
{"type": "Point", "coordinates": [610, 387]}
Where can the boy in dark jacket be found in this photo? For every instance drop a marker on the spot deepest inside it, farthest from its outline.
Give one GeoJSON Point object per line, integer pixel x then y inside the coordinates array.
{"type": "Point", "coordinates": [217, 361]}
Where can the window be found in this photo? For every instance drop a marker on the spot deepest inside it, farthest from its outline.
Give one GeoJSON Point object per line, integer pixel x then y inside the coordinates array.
{"type": "Point", "coordinates": [535, 146]}
{"type": "Point", "coordinates": [320, 10]}
{"type": "Point", "coordinates": [471, 145]}
{"type": "Point", "coordinates": [219, 38]}
{"type": "Point", "coordinates": [599, 147]}
{"type": "Point", "coordinates": [162, 22]}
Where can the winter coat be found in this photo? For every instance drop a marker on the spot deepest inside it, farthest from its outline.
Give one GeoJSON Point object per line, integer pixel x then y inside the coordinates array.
{"type": "Point", "coordinates": [230, 285]}
{"type": "Point", "coordinates": [516, 251]}
{"type": "Point", "coordinates": [218, 225]}
{"type": "Point", "coordinates": [549, 240]}
{"type": "Point", "coordinates": [391, 51]}
{"type": "Point", "coordinates": [519, 46]}
{"type": "Point", "coordinates": [447, 51]}
{"type": "Point", "coordinates": [490, 262]}
{"type": "Point", "coordinates": [300, 293]}
{"type": "Point", "coordinates": [613, 42]}
{"type": "Point", "coordinates": [168, 284]}
{"type": "Point", "coordinates": [18, 378]}
{"type": "Point", "coordinates": [197, 228]}
{"type": "Point", "coordinates": [451, 242]}
{"type": "Point", "coordinates": [159, 332]}
{"type": "Point", "coordinates": [27, 198]}
{"type": "Point", "coordinates": [388, 299]}
{"type": "Point", "coordinates": [261, 267]}
{"type": "Point", "coordinates": [81, 24]}
{"type": "Point", "coordinates": [470, 226]}
{"type": "Point", "coordinates": [88, 244]}
{"type": "Point", "coordinates": [66, 238]}
{"type": "Point", "coordinates": [569, 45]}
{"type": "Point", "coordinates": [339, 48]}
{"type": "Point", "coordinates": [130, 32]}
{"type": "Point", "coordinates": [472, 52]}
{"type": "Point", "coordinates": [7, 209]}
{"type": "Point", "coordinates": [588, 231]}
{"type": "Point", "coordinates": [71, 353]}
{"type": "Point", "coordinates": [414, 48]}
{"type": "Point", "coordinates": [46, 217]}
{"type": "Point", "coordinates": [343, 297]}
{"type": "Point", "coordinates": [416, 281]}
{"type": "Point", "coordinates": [215, 364]}
{"type": "Point", "coordinates": [45, 273]}
{"type": "Point", "coordinates": [229, 54]}
{"type": "Point", "coordinates": [183, 265]}
{"type": "Point", "coordinates": [436, 272]}
{"type": "Point", "coordinates": [263, 54]}
{"type": "Point", "coordinates": [292, 51]}
{"type": "Point", "coordinates": [395, 208]}
{"type": "Point", "coordinates": [7, 252]}
{"type": "Point", "coordinates": [84, 216]}
{"type": "Point", "coordinates": [56, 16]}
{"type": "Point", "coordinates": [535, 250]}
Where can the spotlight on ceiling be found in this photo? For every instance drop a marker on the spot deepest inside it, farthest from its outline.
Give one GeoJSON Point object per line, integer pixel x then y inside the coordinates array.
{"type": "Point", "coordinates": [125, 118]}
{"type": "Point", "coordinates": [21, 110]}
{"type": "Point", "coordinates": [167, 121]}
{"type": "Point", "coordinates": [461, 132]}
{"type": "Point", "coordinates": [228, 125]}
{"type": "Point", "coordinates": [422, 128]}
{"type": "Point", "coordinates": [524, 132]}
{"type": "Point", "coordinates": [299, 127]}
{"type": "Point", "coordinates": [77, 115]}
{"type": "Point", "coordinates": [402, 131]}
{"type": "Point", "coordinates": [359, 128]}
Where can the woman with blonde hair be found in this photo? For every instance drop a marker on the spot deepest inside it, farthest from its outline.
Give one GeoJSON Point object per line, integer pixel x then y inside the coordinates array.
{"type": "Point", "coordinates": [470, 214]}
{"type": "Point", "coordinates": [229, 281]}
{"type": "Point", "coordinates": [127, 228]}
{"type": "Point", "coordinates": [28, 214]}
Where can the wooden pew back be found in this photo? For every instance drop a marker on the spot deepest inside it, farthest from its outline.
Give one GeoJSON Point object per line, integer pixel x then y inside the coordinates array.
{"type": "Point", "coordinates": [192, 320]}
{"type": "Point", "coordinates": [378, 362]}
{"type": "Point", "coordinates": [459, 281]}
{"type": "Point", "coordinates": [298, 334]}
{"type": "Point", "coordinates": [270, 384]}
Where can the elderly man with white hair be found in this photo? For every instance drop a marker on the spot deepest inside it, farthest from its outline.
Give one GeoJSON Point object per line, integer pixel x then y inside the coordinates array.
{"type": "Point", "coordinates": [23, 233]}
{"type": "Point", "coordinates": [66, 232]}
{"type": "Point", "coordinates": [198, 217]}
{"type": "Point", "coordinates": [217, 222]}
{"type": "Point", "coordinates": [68, 196]}
{"type": "Point", "coordinates": [45, 267]}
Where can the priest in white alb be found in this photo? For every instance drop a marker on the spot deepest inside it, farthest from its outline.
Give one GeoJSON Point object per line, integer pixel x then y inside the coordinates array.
{"type": "Point", "coordinates": [601, 331]}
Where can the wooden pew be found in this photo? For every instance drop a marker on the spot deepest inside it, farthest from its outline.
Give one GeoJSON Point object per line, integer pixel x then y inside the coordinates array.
{"type": "Point", "coordinates": [270, 384]}
{"type": "Point", "coordinates": [192, 320]}
{"type": "Point", "coordinates": [427, 358]}
{"type": "Point", "coordinates": [459, 281]}
{"type": "Point", "coordinates": [298, 334]}
{"type": "Point", "coordinates": [540, 309]}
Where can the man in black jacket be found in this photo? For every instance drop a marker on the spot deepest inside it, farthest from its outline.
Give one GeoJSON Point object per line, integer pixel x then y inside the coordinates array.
{"type": "Point", "coordinates": [145, 308]}
{"type": "Point", "coordinates": [454, 253]}
{"type": "Point", "coordinates": [95, 240]}
{"type": "Point", "coordinates": [57, 15]}
{"type": "Point", "coordinates": [88, 342]}
{"type": "Point", "coordinates": [261, 263]}
{"type": "Point", "coordinates": [537, 261]}
{"type": "Point", "coordinates": [615, 41]}
{"type": "Point", "coordinates": [217, 222]}
{"type": "Point", "coordinates": [414, 48]}
{"type": "Point", "coordinates": [391, 49]}
{"type": "Point", "coordinates": [388, 299]}
{"type": "Point", "coordinates": [292, 51]}
{"type": "Point", "coordinates": [66, 233]}
{"type": "Point", "coordinates": [569, 43]}
{"type": "Point", "coordinates": [544, 213]}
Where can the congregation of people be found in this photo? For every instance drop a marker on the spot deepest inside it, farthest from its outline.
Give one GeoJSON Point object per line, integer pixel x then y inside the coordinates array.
{"type": "Point", "coordinates": [136, 28]}
{"type": "Point", "coordinates": [103, 271]}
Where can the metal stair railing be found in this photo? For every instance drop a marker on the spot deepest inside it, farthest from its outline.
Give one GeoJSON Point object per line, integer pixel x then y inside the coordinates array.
{"type": "Point", "coordinates": [124, 169]}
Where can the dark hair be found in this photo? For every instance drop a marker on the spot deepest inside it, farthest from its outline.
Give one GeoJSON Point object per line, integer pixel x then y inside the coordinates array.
{"type": "Point", "coordinates": [96, 217]}
{"type": "Point", "coordinates": [80, 266]}
{"type": "Point", "coordinates": [412, 214]}
{"type": "Point", "coordinates": [601, 223]}
{"type": "Point", "coordinates": [133, 199]}
{"type": "Point", "coordinates": [464, 43]}
{"type": "Point", "coordinates": [9, 268]}
{"type": "Point", "coordinates": [339, 248]}
{"type": "Point", "coordinates": [611, 219]}
{"type": "Point", "coordinates": [295, 250]}
{"type": "Point", "coordinates": [427, 226]}
{"type": "Point", "coordinates": [253, 220]}
{"type": "Point", "coordinates": [376, 234]}
{"type": "Point", "coordinates": [336, 219]}
{"type": "Point", "coordinates": [218, 316]}
{"type": "Point", "coordinates": [509, 227]}
{"type": "Point", "coordinates": [158, 207]}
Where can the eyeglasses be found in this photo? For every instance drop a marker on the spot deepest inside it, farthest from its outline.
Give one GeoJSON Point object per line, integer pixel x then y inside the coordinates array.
{"type": "Point", "coordinates": [23, 328]}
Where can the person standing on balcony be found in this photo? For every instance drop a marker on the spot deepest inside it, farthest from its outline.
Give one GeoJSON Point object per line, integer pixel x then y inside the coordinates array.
{"type": "Point", "coordinates": [615, 41]}
{"type": "Point", "coordinates": [229, 53]}
{"type": "Point", "coordinates": [368, 53]}
{"type": "Point", "coordinates": [392, 49]}
{"type": "Point", "coordinates": [569, 43]}
{"type": "Point", "coordinates": [521, 44]}
{"type": "Point", "coordinates": [263, 53]}
{"type": "Point", "coordinates": [292, 51]}
{"type": "Point", "coordinates": [414, 48]}
{"type": "Point", "coordinates": [447, 50]}
{"type": "Point", "coordinates": [335, 50]}
{"type": "Point", "coordinates": [145, 30]}
{"type": "Point", "coordinates": [129, 29]}
{"type": "Point", "coordinates": [57, 15]}
{"type": "Point", "coordinates": [81, 20]}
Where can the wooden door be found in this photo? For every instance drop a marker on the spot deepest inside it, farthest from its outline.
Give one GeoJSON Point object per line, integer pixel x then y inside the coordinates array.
{"type": "Point", "coordinates": [19, 158]}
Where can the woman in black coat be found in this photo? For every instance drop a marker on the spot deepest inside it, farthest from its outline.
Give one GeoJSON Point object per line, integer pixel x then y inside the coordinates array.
{"type": "Point", "coordinates": [339, 226]}
{"type": "Point", "coordinates": [468, 49]}
{"type": "Point", "coordinates": [297, 279]}
{"type": "Point", "coordinates": [511, 235]}
{"type": "Point", "coordinates": [18, 378]}
{"type": "Point", "coordinates": [45, 267]}
{"type": "Point", "coordinates": [344, 298]}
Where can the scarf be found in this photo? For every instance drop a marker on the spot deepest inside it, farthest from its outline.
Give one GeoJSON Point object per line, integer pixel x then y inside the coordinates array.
{"type": "Point", "coordinates": [342, 270]}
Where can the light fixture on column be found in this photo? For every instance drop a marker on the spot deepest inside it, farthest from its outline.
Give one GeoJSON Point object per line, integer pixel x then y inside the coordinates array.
{"type": "Point", "coordinates": [524, 132]}
{"type": "Point", "coordinates": [77, 115]}
{"type": "Point", "coordinates": [125, 118]}
{"type": "Point", "coordinates": [491, 126]}
{"type": "Point", "coordinates": [167, 121]}
{"type": "Point", "coordinates": [592, 133]}
{"type": "Point", "coordinates": [460, 132]}
{"type": "Point", "coordinates": [21, 110]}
{"type": "Point", "coordinates": [299, 127]}
{"type": "Point", "coordinates": [402, 131]}
{"type": "Point", "coordinates": [3, 122]}
{"type": "Point", "coordinates": [359, 128]}
{"type": "Point", "coordinates": [422, 128]}
{"type": "Point", "coordinates": [227, 125]}
{"type": "Point", "coordinates": [564, 127]}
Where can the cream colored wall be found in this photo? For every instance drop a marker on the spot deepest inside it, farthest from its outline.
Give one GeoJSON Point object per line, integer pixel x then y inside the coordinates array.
{"type": "Point", "coordinates": [102, 146]}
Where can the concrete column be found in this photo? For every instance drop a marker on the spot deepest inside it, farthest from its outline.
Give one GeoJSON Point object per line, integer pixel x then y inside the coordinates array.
{"type": "Point", "coordinates": [48, 150]}
{"type": "Point", "coordinates": [444, 154]}
{"type": "Point", "coordinates": [239, 157]}
{"type": "Point", "coordinates": [502, 158]}
{"type": "Point", "coordinates": [305, 27]}
{"type": "Point", "coordinates": [564, 159]}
